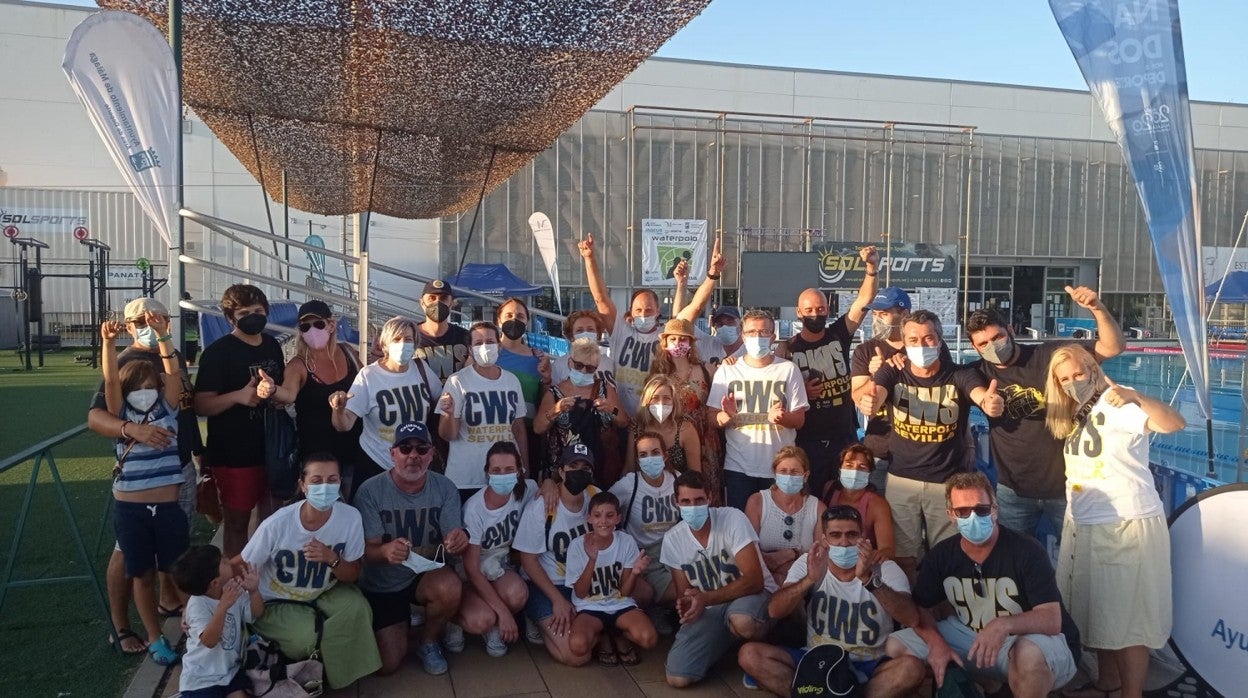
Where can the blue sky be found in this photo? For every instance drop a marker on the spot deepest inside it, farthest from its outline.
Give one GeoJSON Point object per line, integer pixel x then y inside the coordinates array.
{"type": "Point", "coordinates": [1007, 41]}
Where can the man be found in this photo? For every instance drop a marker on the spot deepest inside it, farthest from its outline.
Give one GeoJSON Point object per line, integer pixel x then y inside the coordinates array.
{"type": "Point", "coordinates": [759, 402]}
{"type": "Point", "coordinates": [725, 339]}
{"type": "Point", "coordinates": [722, 586]}
{"type": "Point", "coordinates": [408, 513]}
{"type": "Point", "coordinates": [930, 400]}
{"type": "Point", "coordinates": [1008, 623]}
{"type": "Point", "coordinates": [443, 346]}
{"type": "Point", "coordinates": [144, 347]}
{"type": "Point", "coordinates": [888, 308]}
{"type": "Point", "coordinates": [851, 596]}
{"type": "Point", "coordinates": [821, 352]}
{"type": "Point", "coordinates": [1029, 461]}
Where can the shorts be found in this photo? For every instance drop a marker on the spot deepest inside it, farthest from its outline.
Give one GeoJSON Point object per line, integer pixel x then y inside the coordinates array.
{"type": "Point", "coordinates": [700, 644]}
{"type": "Point", "coordinates": [657, 575]}
{"type": "Point", "coordinates": [539, 607]}
{"type": "Point", "coordinates": [241, 488]}
{"type": "Point", "coordinates": [150, 535]}
{"type": "Point", "coordinates": [240, 682]}
{"type": "Point", "coordinates": [609, 618]}
{"type": "Point", "coordinates": [862, 669]}
{"type": "Point", "coordinates": [914, 503]}
{"type": "Point", "coordinates": [392, 607]}
{"type": "Point", "coordinates": [1056, 652]}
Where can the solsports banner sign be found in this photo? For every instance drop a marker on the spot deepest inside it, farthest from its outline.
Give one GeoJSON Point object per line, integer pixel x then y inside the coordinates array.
{"type": "Point", "coordinates": [37, 220]}
{"type": "Point", "coordinates": [908, 265]}
{"type": "Point", "coordinates": [122, 70]}
{"type": "Point", "coordinates": [1131, 54]}
{"type": "Point", "coordinates": [665, 242]}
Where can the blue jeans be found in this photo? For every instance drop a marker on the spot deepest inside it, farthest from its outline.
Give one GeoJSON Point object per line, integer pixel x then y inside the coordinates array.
{"type": "Point", "coordinates": [738, 487]}
{"type": "Point", "coordinates": [1022, 514]}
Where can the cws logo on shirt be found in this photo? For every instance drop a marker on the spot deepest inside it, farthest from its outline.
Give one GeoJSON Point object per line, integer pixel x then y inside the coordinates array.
{"type": "Point", "coordinates": [298, 578]}
{"type": "Point", "coordinates": [1000, 598]}
{"type": "Point", "coordinates": [827, 363]}
{"type": "Point", "coordinates": [501, 533]}
{"type": "Point", "coordinates": [444, 359]}
{"type": "Point", "coordinates": [561, 540]}
{"type": "Point", "coordinates": [710, 573]}
{"type": "Point", "coordinates": [926, 415]}
{"type": "Point", "coordinates": [754, 399]}
{"type": "Point", "coordinates": [420, 526]}
{"type": "Point", "coordinates": [1083, 450]}
{"type": "Point", "coordinates": [406, 403]}
{"type": "Point", "coordinates": [488, 415]}
{"type": "Point", "coordinates": [834, 620]}
{"type": "Point", "coordinates": [605, 581]}
{"type": "Point", "coordinates": [633, 363]}
{"type": "Point", "coordinates": [658, 514]}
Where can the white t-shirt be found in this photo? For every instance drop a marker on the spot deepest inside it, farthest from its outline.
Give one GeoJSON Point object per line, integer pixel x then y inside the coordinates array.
{"type": "Point", "coordinates": [276, 551]}
{"type": "Point", "coordinates": [604, 585]}
{"type": "Point", "coordinates": [1107, 475]}
{"type": "Point", "coordinates": [606, 369]}
{"type": "Point", "coordinates": [752, 441]}
{"type": "Point", "coordinates": [633, 352]}
{"type": "Point", "coordinates": [205, 667]}
{"type": "Point", "coordinates": [384, 400]}
{"type": "Point", "coordinates": [486, 410]}
{"type": "Point", "coordinates": [712, 351]}
{"type": "Point", "coordinates": [846, 614]}
{"type": "Point", "coordinates": [652, 512]}
{"type": "Point", "coordinates": [714, 566]}
{"type": "Point", "coordinates": [495, 529]}
{"type": "Point", "coordinates": [551, 552]}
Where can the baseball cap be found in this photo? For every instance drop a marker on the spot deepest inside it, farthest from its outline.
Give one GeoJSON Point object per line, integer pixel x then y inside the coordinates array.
{"type": "Point", "coordinates": [438, 286]}
{"type": "Point", "coordinates": [318, 308]}
{"type": "Point", "coordinates": [890, 297]}
{"type": "Point", "coordinates": [140, 306]}
{"type": "Point", "coordinates": [731, 311]}
{"type": "Point", "coordinates": [575, 452]}
{"type": "Point", "coordinates": [411, 430]}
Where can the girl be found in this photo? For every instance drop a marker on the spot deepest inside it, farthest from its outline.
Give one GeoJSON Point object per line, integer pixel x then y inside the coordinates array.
{"type": "Point", "coordinates": [853, 488]}
{"type": "Point", "coordinates": [581, 408]}
{"type": "Point", "coordinates": [785, 515]}
{"type": "Point", "coordinates": [662, 414]}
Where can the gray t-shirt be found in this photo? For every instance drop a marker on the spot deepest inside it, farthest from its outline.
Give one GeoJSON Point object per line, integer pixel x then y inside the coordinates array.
{"type": "Point", "coordinates": [423, 518]}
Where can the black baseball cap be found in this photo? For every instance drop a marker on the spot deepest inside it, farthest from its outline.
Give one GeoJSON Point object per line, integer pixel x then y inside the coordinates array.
{"type": "Point", "coordinates": [318, 308]}
{"type": "Point", "coordinates": [439, 287]}
{"type": "Point", "coordinates": [574, 452]}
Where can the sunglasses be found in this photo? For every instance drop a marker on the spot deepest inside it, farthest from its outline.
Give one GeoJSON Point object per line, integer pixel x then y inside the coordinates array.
{"type": "Point", "coordinates": [305, 326]}
{"type": "Point", "coordinates": [583, 368]}
{"type": "Point", "coordinates": [788, 533]}
{"type": "Point", "coordinates": [842, 512]}
{"type": "Point", "coordinates": [420, 449]}
{"type": "Point", "coordinates": [978, 510]}
{"type": "Point", "coordinates": [978, 583]}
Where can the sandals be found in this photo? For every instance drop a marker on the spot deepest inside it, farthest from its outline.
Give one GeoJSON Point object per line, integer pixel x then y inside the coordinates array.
{"type": "Point", "coordinates": [162, 653]}
{"type": "Point", "coordinates": [124, 634]}
{"type": "Point", "coordinates": [1090, 690]}
{"type": "Point", "coordinates": [607, 657]}
{"type": "Point", "coordinates": [629, 657]}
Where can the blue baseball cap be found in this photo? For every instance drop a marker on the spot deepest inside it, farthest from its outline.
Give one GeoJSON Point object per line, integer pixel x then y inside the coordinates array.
{"type": "Point", "coordinates": [411, 430]}
{"type": "Point", "coordinates": [731, 311]}
{"type": "Point", "coordinates": [890, 297]}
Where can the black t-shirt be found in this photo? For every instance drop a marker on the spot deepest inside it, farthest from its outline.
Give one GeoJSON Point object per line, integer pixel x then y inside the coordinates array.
{"type": "Point", "coordinates": [236, 436]}
{"type": "Point", "coordinates": [879, 426]}
{"type": "Point", "coordinates": [831, 415]}
{"type": "Point", "coordinates": [188, 427]}
{"type": "Point", "coordinates": [1014, 578]}
{"type": "Point", "coordinates": [445, 354]}
{"type": "Point", "coordinates": [1028, 458]}
{"type": "Point", "coordinates": [929, 419]}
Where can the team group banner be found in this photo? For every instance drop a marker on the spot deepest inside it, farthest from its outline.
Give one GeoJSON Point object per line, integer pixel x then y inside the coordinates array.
{"type": "Point", "coordinates": [1131, 54]}
{"type": "Point", "coordinates": [665, 242]}
{"type": "Point", "coordinates": [907, 265]}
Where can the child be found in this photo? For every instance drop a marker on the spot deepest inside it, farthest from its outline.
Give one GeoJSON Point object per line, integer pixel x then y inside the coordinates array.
{"type": "Point", "coordinates": [605, 564]}
{"type": "Point", "coordinates": [219, 606]}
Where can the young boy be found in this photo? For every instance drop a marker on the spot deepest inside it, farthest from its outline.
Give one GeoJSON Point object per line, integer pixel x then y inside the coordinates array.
{"type": "Point", "coordinates": [605, 564]}
{"type": "Point", "coordinates": [220, 604]}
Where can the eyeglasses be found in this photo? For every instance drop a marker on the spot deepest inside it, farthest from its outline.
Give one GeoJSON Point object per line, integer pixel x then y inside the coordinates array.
{"type": "Point", "coordinates": [305, 326]}
{"type": "Point", "coordinates": [979, 510]}
{"type": "Point", "coordinates": [757, 333]}
{"type": "Point", "coordinates": [842, 512]}
{"type": "Point", "coordinates": [583, 368]}
{"type": "Point", "coordinates": [420, 449]}
{"type": "Point", "coordinates": [978, 583]}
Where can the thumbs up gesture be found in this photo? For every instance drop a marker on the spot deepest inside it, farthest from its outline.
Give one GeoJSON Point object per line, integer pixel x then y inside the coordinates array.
{"type": "Point", "coordinates": [1117, 396]}
{"type": "Point", "coordinates": [338, 400]}
{"type": "Point", "coordinates": [870, 402]}
{"type": "Point", "coordinates": [248, 395]}
{"type": "Point", "coordinates": [446, 404]}
{"type": "Point", "coordinates": [876, 361]}
{"type": "Point", "coordinates": [265, 386]}
{"type": "Point", "coordinates": [993, 404]}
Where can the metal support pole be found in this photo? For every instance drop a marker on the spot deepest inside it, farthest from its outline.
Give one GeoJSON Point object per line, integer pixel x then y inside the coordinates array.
{"type": "Point", "coordinates": [96, 342]}
{"type": "Point", "coordinates": [966, 271]}
{"type": "Point", "coordinates": [286, 224]}
{"type": "Point", "coordinates": [888, 206]}
{"type": "Point", "coordinates": [177, 275]}
{"type": "Point", "coordinates": [362, 282]}
{"type": "Point", "coordinates": [23, 257]}
{"type": "Point", "coordinates": [39, 271]}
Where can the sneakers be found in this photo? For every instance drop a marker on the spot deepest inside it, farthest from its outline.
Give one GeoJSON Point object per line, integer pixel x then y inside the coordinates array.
{"type": "Point", "coordinates": [162, 653]}
{"type": "Point", "coordinates": [494, 645]}
{"type": "Point", "coordinates": [532, 633]}
{"type": "Point", "coordinates": [432, 659]}
{"type": "Point", "coordinates": [749, 682]}
{"type": "Point", "coordinates": [453, 638]}
{"type": "Point", "coordinates": [418, 617]}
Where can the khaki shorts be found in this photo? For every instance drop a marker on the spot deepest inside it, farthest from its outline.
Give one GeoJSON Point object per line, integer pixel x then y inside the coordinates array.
{"type": "Point", "coordinates": [658, 575]}
{"type": "Point", "coordinates": [915, 502]}
{"type": "Point", "coordinates": [1115, 580]}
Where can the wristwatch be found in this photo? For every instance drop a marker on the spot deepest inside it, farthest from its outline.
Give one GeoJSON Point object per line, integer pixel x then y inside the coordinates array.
{"type": "Point", "coordinates": [875, 582]}
{"type": "Point", "coordinates": [334, 564]}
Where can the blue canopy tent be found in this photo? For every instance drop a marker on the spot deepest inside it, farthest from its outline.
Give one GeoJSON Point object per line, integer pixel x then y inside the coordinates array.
{"type": "Point", "coordinates": [1234, 290]}
{"type": "Point", "coordinates": [494, 280]}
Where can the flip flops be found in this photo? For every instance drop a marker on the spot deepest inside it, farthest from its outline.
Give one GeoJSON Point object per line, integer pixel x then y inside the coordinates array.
{"type": "Point", "coordinates": [124, 634]}
{"type": "Point", "coordinates": [175, 612]}
{"type": "Point", "coordinates": [162, 653]}
{"type": "Point", "coordinates": [607, 657]}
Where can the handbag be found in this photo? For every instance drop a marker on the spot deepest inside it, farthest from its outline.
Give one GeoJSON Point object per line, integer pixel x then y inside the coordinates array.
{"type": "Point", "coordinates": [274, 675]}
{"type": "Point", "coordinates": [281, 453]}
{"type": "Point", "coordinates": [208, 497]}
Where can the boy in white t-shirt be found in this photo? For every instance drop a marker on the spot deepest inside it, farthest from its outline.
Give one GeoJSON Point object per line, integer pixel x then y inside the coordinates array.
{"type": "Point", "coordinates": [604, 565]}
{"type": "Point", "coordinates": [219, 607]}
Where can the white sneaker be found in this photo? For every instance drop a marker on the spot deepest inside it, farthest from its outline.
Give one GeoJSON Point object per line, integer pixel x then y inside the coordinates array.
{"type": "Point", "coordinates": [453, 638]}
{"type": "Point", "coordinates": [418, 617]}
{"type": "Point", "coordinates": [494, 645]}
{"type": "Point", "coordinates": [532, 633]}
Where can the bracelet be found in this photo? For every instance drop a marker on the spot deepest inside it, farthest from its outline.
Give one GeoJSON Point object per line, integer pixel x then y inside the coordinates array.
{"type": "Point", "coordinates": [873, 273]}
{"type": "Point", "coordinates": [123, 430]}
{"type": "Point", "coordinates": [713, 277]}
{"type": "Point", "coordinates": [166, 338]}
{"type": "Point", "coordinates": [168, 356]}
{"type": "Point", "coordinates": [337, 559]}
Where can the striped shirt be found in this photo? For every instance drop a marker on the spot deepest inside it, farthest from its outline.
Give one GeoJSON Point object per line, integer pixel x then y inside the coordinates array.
{"type": "Point", "coordinates": [146, 467]}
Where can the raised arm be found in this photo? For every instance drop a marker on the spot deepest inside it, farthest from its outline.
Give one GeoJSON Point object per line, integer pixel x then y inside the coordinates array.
{"type": "Point", "coordinates": [866, 292]}
{"type": "Point", "coordinates": [109, 331]}
{"type": "Point", "coordinates": [597, 285]}
{"type": "Point", "coordinates": [706, 289]}
{"type": "Point", "coordinates": [1109, 339]}
{"type": "Point", "coordinates": [1162, 418]}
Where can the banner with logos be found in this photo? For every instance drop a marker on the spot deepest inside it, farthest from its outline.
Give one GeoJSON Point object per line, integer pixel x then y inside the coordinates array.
{"type": "Point", "coordinates": [665, 242]}
{"type": "Point", "coordinates": [907, 265]}
{"type": "Point", "coordinates": [544, 237]}
{"type": "Point", "coordinates": [38, 220]}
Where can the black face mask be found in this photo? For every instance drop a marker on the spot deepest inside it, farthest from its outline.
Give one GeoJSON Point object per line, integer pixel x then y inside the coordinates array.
{"type": "Point", "coordinates": [815, 323]}
{"type": "Point", "coordinates": [437, 311]}
{"type": "Point", "coordinates": [577, 481]}
{"type": "Point", "coordinates": [513, 329]}
{"type": "Point", "coordinates": [252, 324]}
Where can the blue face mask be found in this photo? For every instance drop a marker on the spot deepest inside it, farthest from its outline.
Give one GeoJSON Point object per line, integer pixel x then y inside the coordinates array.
{"type": "Point", "coordinates": [854, 479]}
{"type": "Point", "coordinates": [591, 336]}
{"type": "Point", "coordinates": [976, 528]}
{"type": "Point", "coordinates": [757, 347]}
{"type": "Point", "coordinates": [579, 379]}
{"type": "Point", "coordinates": [846, 558]}
{"type": "Point", "coordinates": [695, 516]}
{"type": "Point", "coordinates": [146, 337]}
{"type": "Point", "coordinates": [790, 484]}
{"type": "Point", "coordinates": [652, 466]}
{"type": "Point", "coordinates": [323, 495]}
{"type": "Point", "coordinates": [645, 324]}
{"type": "Point", "coordinates": [504, 483]}
{"type": "Point", "coordinates": [728, 334]}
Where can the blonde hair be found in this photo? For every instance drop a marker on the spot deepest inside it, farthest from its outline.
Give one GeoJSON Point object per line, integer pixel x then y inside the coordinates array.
{"type": "Point", "coordinates": [393, 329]}
{"type": "Point", "coordinates": [1059, 408]}
{"type": "Point", "coordinates": [583, 349]}
{"type": "Point", "coordinates": [646, 421]}
{"type": "Point", "coordinates": [304, 352]}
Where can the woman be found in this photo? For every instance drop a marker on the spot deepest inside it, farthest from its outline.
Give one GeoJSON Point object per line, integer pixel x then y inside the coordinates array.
{"type": "Point", "coordinates": [584, 324]}
{"type": "Point", "coordinates": [853, 489]}
{"type": "Point", "coordinates": [491, 516]}
{"type": "Point", "coordinates": [482, 405]}
{"type": "Point", "coordinates": [152, 531]}
{"type": "Point", "coordinates": [396, 389]}
{"type": "Point", "coordinates": [647, 507]}
{"type": "Point", "coordinates": [530, 366]}
{"type": "Point", "coordinates": [1114, 566]}
{"type": "Point", "coordinates": [662, 414]}
{"type": "Point", "coordinates": [581, 408]}
{"type": "Point", "coordinates": [309, 554]}
{"type": "Point", "coordinates": [785, 515]}
{"type": "Point", "coordinates": [676, 356]}
{"type": "Point", "coordinates": [321, 367]}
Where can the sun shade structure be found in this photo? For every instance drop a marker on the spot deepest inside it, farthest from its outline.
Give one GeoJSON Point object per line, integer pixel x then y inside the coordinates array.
{"type": "Point", "coordinates": [404, 105]}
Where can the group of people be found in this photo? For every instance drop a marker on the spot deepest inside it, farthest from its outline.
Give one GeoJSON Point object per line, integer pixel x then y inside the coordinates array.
{"type": "Point", "coordinates": [707, 486]}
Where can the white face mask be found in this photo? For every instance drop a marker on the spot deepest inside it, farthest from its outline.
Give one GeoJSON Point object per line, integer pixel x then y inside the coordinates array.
{"type": "Point", "coordinates": [591, 336]}
{"type": "Point", "coordinates": [420, 564]}
{"type": "Point", "coordinates": [661, 412]}
{"type": "Point", "coordinates": [923, 356]}
{"type": "Point", "coordinates": [757, 347]}
{"type": "Point", "coordinates": [142, 399]}
{"type": "Point", "coordinates": [485, 354]}
{"type": "Point", "coordinates": [401, 352]}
